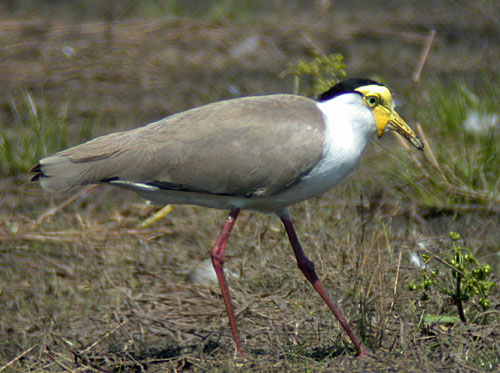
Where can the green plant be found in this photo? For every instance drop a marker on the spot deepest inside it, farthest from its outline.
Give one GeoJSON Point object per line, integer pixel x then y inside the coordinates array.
{"type": "Point", "coordinates": [323, 71]}
{"type": "Point", "coordinates": [458, 275]}
{"type": "Point", "coordinates": [35, 131]}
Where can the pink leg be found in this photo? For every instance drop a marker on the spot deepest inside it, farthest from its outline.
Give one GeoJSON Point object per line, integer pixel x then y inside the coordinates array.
{"type": "Point", "coordinates": [218, 259]}
{"type": "Point", "coordinates": [307, 268]}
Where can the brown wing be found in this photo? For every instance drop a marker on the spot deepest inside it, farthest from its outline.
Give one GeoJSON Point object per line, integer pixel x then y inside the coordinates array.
{"type": "Point", "coordinates": [249, 146]}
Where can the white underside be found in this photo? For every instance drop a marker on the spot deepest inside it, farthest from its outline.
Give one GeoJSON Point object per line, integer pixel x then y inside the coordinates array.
{"type": "Point", "coordinates": [350, 126]}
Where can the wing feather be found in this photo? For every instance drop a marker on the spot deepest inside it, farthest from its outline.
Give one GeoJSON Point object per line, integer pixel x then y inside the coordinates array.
{"type": "Point", "coordinates": [254, 146]}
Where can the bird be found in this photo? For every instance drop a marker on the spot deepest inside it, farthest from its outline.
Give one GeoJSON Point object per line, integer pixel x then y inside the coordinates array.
{"type": "Point", "coordinates": [261, 153]}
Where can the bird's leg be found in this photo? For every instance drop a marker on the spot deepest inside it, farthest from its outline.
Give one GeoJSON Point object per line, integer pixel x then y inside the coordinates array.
{"type": "Point", "coordinates": [218, 259]}
{"type": "Point", "coordinates": [307, 268]}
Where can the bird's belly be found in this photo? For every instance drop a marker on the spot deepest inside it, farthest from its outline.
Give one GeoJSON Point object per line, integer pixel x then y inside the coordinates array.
{"type": "Point", "coordinates": [272, 203]}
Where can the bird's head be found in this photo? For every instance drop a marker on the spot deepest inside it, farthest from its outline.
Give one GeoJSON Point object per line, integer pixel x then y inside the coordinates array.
{"type": "Point", "coordinates": [378, 98]}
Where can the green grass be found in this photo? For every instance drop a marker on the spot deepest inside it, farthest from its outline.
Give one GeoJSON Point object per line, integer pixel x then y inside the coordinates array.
{"type": "Point", "coordinates": [37, 130]}
{"type": "Point", "coordinates": [459, 167]}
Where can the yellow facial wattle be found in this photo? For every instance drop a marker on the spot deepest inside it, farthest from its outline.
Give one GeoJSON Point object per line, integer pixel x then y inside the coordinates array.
{"type": "Point", "coordinates": [379, 100]}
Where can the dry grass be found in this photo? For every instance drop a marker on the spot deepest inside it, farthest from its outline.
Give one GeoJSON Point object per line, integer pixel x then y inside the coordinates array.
{"type": "Point", "coordinates": [86, 289]}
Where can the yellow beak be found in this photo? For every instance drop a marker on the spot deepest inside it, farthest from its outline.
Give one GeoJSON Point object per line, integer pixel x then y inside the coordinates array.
{"type": "Point", "coordinates": [387, 119]}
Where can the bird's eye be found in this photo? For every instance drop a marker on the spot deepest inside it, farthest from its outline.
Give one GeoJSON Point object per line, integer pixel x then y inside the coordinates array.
{"type": "Point", "coordinates": [372, 101]}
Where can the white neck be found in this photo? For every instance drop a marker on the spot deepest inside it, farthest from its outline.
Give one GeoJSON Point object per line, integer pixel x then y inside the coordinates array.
{"type": "Point", "coordinates": [350, 123]}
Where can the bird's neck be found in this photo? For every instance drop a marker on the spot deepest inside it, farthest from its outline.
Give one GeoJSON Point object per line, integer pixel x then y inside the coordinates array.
{"type": "Point", "coordinates": [350, 125]}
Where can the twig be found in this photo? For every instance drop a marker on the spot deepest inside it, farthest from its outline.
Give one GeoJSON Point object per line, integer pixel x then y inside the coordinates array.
{"type": "Point", "coordinates": [59, 207]}
{"type": "Point", "coordinates": [312, 43]}
{"type": "Point", "coordinates": [395, 290]}
{"type": "Point", "coordinates": [101, 338]}
{"type": "Point", "coordinates": [423, 56]}
{"type": "Point", "coordinates": [416, 79]}
{"type": "Point", "coordinates": [394, 297]}
{"type": "Point", "coordinates": [442, 261]}
{"type": "Point", "coordinates": [157, 216]}
{"type": "Point", "coordinates": [17, 358]}
{"type": "Point", "coordinates": [429, 154]}
{"type": "Point", "coordinates": [58, 362]}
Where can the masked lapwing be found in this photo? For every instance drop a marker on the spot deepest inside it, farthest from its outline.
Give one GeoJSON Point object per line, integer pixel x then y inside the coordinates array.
{"type": "Point", "coordinates": [261, 153]}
